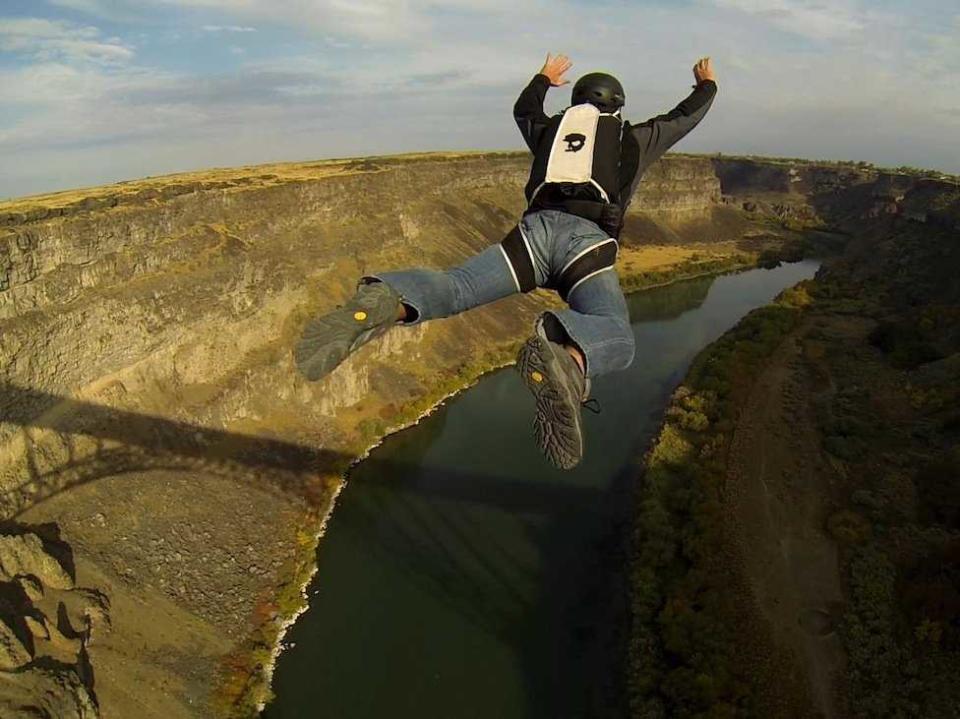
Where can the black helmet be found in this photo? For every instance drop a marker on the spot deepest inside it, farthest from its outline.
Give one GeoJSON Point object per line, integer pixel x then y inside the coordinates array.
{"type": "Point", "coordinates": [600, 89]}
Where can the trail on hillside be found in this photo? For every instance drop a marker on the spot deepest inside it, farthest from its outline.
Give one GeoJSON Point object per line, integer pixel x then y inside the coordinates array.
{"type": "Point", "coordinates": [778, 492]}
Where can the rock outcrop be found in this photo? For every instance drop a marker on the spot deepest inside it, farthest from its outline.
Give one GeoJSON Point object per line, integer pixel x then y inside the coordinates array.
{"type": "Point", "coordinates": [46, 625]}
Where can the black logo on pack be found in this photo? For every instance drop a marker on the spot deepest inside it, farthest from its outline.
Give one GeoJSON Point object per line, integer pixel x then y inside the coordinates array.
{"type": "Point", "coordinates": [575, 141]}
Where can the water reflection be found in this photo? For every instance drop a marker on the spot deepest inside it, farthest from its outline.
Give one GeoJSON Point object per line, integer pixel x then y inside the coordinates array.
{"type": "Point", "coordinates": [669, 302]}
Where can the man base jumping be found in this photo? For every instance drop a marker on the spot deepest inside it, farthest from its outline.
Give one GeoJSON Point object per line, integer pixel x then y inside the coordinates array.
{"type": "Point", "coordinates": [587, 163]}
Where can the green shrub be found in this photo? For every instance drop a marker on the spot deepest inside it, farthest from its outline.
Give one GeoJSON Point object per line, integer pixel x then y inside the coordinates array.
{"type": "Point", "coordinates": [938, 489]}
{"type": "Point", "coordinates": [850, 449]}
{"type": "Point", "coordinates": [848, 527]}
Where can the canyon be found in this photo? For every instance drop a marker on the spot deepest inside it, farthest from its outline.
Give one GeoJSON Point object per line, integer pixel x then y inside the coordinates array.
{"type": "Point", "coordinates": [161, 457]}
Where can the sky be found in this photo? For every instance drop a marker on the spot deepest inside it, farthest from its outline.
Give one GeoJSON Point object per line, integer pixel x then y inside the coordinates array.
{"type": "Point", "coordinates": [97, 91]}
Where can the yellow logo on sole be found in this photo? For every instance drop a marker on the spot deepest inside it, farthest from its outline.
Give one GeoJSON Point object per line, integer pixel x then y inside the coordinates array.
{"type": "Point", "coordinates": [359, 316]}
{"type": "Point", "coordinates": [536, 376]}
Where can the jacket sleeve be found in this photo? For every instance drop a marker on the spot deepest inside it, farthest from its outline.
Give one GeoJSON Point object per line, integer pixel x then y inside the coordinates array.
{"type": "Point", "coordinates": [528, 111]}
{"type": "Point", "coordinates": [658, 134]}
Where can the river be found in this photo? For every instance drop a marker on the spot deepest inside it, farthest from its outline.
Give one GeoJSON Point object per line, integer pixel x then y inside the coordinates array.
{"type": "Point", "coordinates": [462, 576]}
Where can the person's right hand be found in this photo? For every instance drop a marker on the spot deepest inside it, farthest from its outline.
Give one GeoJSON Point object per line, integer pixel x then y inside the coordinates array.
{"type": "Point", "coordinates": [554, 69]}
{"type": "Point", "coordinates": [703, 70]}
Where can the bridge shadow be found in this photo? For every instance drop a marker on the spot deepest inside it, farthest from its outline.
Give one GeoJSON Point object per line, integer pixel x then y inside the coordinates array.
{"type": "Point", "coordinates": [121, 441]}
{"type": "Point", "coordinates": [431, 531]}
{"type": "Point", "coordinates": [562, 606]}
{"type": "Point", "coordinates": [91, 441]}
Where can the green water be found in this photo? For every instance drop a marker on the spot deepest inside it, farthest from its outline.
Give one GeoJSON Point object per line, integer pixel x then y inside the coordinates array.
{"type": "Point", "coordinates": [462, 576]}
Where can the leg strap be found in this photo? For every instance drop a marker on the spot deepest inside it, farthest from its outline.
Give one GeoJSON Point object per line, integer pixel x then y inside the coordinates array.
{"type": "Point", "coordinates": [515, 248]}
{"type": "Point", "coordinates": [600, 257]}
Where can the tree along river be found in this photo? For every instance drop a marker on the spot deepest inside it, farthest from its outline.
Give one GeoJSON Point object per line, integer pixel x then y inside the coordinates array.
{"type": "Point", "coordinates": [462, 576]}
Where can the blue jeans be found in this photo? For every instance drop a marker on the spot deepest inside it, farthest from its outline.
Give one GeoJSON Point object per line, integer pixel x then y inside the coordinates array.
{"type": "Point", "coordinates": [597, 321]}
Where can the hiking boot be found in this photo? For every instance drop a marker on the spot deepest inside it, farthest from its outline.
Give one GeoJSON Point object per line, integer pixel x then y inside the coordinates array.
{"type": "Point", "coordinates": [558, 385]}
{"type": "Point", "coordinates": [329, 339]}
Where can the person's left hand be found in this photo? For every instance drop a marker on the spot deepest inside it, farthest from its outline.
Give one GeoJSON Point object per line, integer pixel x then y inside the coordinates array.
{"type": "Point", "coordinates": [703, 70]}
{"type": "Point", "coordinates": [554, 68]}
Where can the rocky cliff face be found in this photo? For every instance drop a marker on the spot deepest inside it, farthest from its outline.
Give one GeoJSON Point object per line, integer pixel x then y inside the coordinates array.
{"type": "Point", "coordinates": [148, 401]}
{"type": "Point", "coordinates": [844, 195]}
{"type": "Point", "coordinates": [678, 185]}
{"type": "Point", "coordinates": [46, 624]}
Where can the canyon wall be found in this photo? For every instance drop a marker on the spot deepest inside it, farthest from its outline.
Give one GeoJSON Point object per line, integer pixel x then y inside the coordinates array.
{"type": "Point", "coordinates": [149, 406]}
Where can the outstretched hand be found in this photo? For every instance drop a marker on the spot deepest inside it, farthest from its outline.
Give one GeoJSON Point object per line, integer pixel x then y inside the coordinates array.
{"type": "Point", "coordinates": [703, 70]}
{"type": "Point", "coordinates": [554, 68]}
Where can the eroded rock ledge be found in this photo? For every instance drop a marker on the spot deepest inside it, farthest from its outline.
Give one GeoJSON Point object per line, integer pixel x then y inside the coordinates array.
{"type": "Point", "coordinates": [47, 623]}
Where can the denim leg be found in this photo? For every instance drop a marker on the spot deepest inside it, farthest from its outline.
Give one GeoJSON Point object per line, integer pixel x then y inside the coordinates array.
{"type": "Point", "coordinates": [598, 323]}
{"type": "Point", "coordinates": [432, 294]}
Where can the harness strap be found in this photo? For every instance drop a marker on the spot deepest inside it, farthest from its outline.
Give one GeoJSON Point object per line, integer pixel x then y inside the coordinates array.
{"type": "Point", "coordinates": [588, 209]}
{"type": "Point", "coordinates": [601, 256]}
{"type": "Point", "coordinates": [517, 253]}
{"type": "Point", "coordinates": [606, 214]}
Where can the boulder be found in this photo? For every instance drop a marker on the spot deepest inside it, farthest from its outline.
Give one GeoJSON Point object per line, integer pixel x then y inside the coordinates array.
{"type": "Point", "coordinates": [24, 554]}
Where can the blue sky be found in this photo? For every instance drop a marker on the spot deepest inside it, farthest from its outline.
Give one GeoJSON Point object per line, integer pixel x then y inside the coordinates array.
{"type": "Point", "coordinates": [95, 91]}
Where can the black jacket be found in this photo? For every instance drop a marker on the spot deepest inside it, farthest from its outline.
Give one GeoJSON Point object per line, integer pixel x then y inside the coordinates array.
{"type": "Point", "coordinates": [641, 145]}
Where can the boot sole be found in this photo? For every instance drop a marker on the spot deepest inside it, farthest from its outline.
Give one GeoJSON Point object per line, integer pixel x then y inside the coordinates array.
{"type": "Point", "coordinates": [329, 339]}
{"type": "Point", "coordinates": [556, 426]}
{"type": "Point", "coordinates": [325, 343]}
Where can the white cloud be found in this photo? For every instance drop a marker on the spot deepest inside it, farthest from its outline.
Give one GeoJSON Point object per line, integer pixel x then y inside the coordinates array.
{"type": "Point", "coordinates": [228, 28]}
{"type": "Point", "coordinates": [381, 20]}
{"type": "Point", "coordinates": [113, 10]}
{"type": "Point", "coordinates": [813, 19]}
{"type": "Point", "coordinates": [399, 22]}
{"type": "Point", "coordinates": [93, 7]}
{"type": "Point", "coordinates": [81, 105]}
{"type": "Point", "coordinates": [48, 40]}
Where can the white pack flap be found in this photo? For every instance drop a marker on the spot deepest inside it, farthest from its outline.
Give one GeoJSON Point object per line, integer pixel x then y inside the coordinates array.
{"type": "Point", "coordinates": [571, 157]}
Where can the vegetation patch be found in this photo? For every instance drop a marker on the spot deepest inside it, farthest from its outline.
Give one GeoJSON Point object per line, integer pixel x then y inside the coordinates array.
{"type": "Point", "coordinates": [695, 266]}
{"type": "Point", "coordinates": [691, 631]}
{"type": "Point", "coordinates": [888, 421]}
{"type": "Point", "coordinates": [245, 673]}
